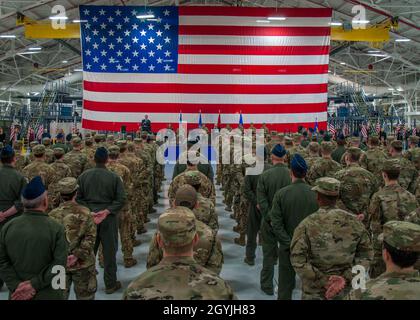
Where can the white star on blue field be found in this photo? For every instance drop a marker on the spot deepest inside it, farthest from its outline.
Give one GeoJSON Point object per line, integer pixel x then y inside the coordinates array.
{"type": "Point", "coordinates": [115, 40]}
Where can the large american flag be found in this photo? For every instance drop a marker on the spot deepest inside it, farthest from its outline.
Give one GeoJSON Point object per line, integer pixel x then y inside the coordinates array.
{"type": "Point", "coordinates": [235, 59]}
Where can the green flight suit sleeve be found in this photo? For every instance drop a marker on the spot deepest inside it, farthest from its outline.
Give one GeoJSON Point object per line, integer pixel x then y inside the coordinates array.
{"type": "Point", "coordinates": [80, 194]}
{"type": "Point", "coordinates": [262, 198]}
{"type": "Point", "coordinates": [7, 272]}
{"type": "Point", "coordinates": [277, 222]}
{"type": "Point", "coordinates": [44, 278]}
{"type": "Point", "coordinates": [18, 203]}
{"type": "Point", "coordinates": [120, 197]}
{"type": "Point", "coordinates": [248, 192]}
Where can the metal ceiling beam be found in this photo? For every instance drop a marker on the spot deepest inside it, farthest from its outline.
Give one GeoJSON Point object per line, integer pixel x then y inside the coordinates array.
{"type": "Point", "coordinates": [69, 46]}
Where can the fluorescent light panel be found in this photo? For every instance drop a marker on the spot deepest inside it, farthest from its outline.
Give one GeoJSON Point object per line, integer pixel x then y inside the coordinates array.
{"type": "Point", "coordinates": [58, 18]}
{"type": "Point", "coordinates": [263, 21]}
{"type": "Point", "coordinates": [8, 36]}
{"type": "Point", "coordinates": [35, 49]}
{"type": "Point", "coordinates": [80, 21]}
{"type": "Point", "coordinates": [334, 23]}
{"type": "Point", "coordinates": [276, 18]}
{"type": "Point", "coordinates": [145, 16]}
{"type": "Point", "coordinates": [402, 40]}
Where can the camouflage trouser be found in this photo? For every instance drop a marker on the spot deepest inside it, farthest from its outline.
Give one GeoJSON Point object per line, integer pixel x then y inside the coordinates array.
{"type": "Point", "coordinates": [242, 217]}
{"type": "Point", "coordinates": [236, 205]}
{"type": "Point", "coordinates": [125, 226]}
{"type": "Point", "coordinates": [219, 173]}
{"type": "Point", "coordinates": [84, 282]}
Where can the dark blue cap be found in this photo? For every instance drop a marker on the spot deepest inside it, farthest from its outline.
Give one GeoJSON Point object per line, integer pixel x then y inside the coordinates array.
{"type": "Point", "coordinates": [355, 133]}
{"type": "Point", "coordinates": [327, 137]}
{"type": "Point", "coordinates": [311, 130]}
{"type": "Point", "coordinates": [298, 164]}
{"type": "Point", "coordinates": [34, 189]}
{"type": "Point", "coordinates": [279, 151]}
{"type": "Point", "coordinates": [60, 136]}
{"type": "Point", "coordinates": [7, 152]}
{"type": "Point", "coordinates": [341, 136]}
{"type": "Point", "coordinates": [101, 153]}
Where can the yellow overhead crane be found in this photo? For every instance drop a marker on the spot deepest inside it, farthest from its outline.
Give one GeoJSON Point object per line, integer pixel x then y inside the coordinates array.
{"type": "Point", "coordinates": [374, 34]}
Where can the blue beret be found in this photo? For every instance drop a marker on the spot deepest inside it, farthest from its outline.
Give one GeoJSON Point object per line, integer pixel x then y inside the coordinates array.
{"type": "Point", "coordinates": [298, 164]}
{"type": "Point", "coordinates": [7, 152]}
{"type": "Point", "coordinates": [60, 136]}
{"type": "Point", "coordinates": [341, 136]}
{"type": "Point", "coordinates": [101, 153]}
{"type": "Point", "coordinates": [33, 189]}
{"type": "Point", "coordinates": [311, 130]}
{"type": "Point", "coordinates": [356, 134]}
{"type": "Point", "coordinates": [279, 151]}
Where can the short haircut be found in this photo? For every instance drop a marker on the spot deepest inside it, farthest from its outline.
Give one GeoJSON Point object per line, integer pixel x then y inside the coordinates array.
{"type": "Point", "coordinates": [392, 174]}
{"type": "Point", "coordinates": [299, 175]}
{"type": "Point", "coordinates": [187, 205]}
{"type": "Point", "coordinates": [397, 149]}
{"type": "Point", "coordinates": [113, 156]}
{"type": "Point", "coordinates": [33, 203]}
{"type": "Point", "coordinates": [68, 197]}
{"type": "Point", "coordinates": [341, 142]}
{"type": "Point", "coordinates": [58, 156]}
{"type": "Point", "coordinates": [354, 157]}
{"type": "Point", "coordinates": [177, 250]}
{"type": "Point", "coordinates": [101, 160]}
{"type": "Point", "coordinates": [403, 259]}
{"type": "Point", "coordinates": [328, 199]}
{"type": "Point", "coordinates": [7, 159]}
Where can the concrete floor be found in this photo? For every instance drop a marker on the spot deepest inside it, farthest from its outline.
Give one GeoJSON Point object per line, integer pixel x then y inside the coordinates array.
{"type": "Point", "coordinates": [244, 279]}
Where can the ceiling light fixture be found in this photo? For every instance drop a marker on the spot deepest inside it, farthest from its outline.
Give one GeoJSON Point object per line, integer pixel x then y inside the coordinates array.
{"type": "Point", "coordinates": [78, 70]}
{"type": "Point", "coordinates": [360, 21]}
{"type": "Point", "coordinates": [263, 21]}
{"type": "Point", "coordinates": [276, 18]}
{"type": "Point", "coordinates": [145, 16]}
{"type": "Point", "coordinates": [402, 40]}
{"type": "Point", "coordinates": [342, 63]}
{"type": "Point", "coordinates": [64, 61]}
{"type": "Point", "coordinates": [80, 21]}
{"type": "Point", "coordinates": [8, 36]}
{"type": "Point", "coordinates": [335, 24]}
{"type": "Point", "coordinates": [35, 49]}
{"type": "Point", "coordinates": [58, 18]}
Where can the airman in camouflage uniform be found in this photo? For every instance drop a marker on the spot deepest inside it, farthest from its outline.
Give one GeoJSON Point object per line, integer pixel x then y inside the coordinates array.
{"type": "Point", "coordinates": [373, 159]}
{"type": "Point", "coordinates": [392, 202]}
{"type": "Point", "coordinates": [408, 176]}
{"type": "Point", "coordinates": [297, 148]}
{"type": "Point", "coordinates": [325, 166]}
{"type": "Point", "coordinates": [413, 154]}
{"type": "Point", "coordinates": [208, 251]}
{"type": "Point", "coordinates": [39, 168]}
{"type": "Point", "coordinates": [327, 244]}
{"type": "Point", "coordinates": [206, 186]}
{"type": "Point", "coordinates": [49, 153]}
{"type": "Point", "coordinates": [340, 149]}
{"type": "Point", "coordinates": [399, 282]}
{"type": "Point", "coordinates": [61, 171]}
{"type": "Point", "coordinates": [89, 150]}
{"type": "Point", "coordinates": [313, 155]}
{"type": "Point", "coordinates": [76, 159]}
{"type": "Point", "coordinates": [80, 232]}
{"type": "Point", "coordinates": [205, 210]}
{"type": "Point", "coordinates": [126, 220]}
{"type": "Point", "coordinates": [21, 160]}
{"type": "Point", "coordinates": [353, 142]}
{"type": "Point", "coordinates": [178, 276]}
{"type": "Point", "coordinates": [357, 185]}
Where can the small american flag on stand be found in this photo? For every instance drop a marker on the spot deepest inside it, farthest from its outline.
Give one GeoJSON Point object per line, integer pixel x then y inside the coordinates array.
{"type": "Point", "coordinates": [12, 133]}
{"type": "Point", "coordinates": [364, 131]}
{"type": "Point", "coordinates": [378, 127]}
{"type": "Point", "coordinates": [331, 129]}
{"type": "Point", "coordinates": [40, 132]}
{"type": "Point", "coordinates": [414, 131]}
{"type": "Point", "coordinates": [346, 130]}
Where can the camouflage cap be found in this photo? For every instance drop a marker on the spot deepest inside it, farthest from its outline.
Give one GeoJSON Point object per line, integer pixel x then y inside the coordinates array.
{"type": "Point", "coordinates": [39, 150]}
{"type": "Point", "coordinates": [327, 186]}
{"type": "Point", "coordinates": [390, 138]}
{"type": "Point", "coordinates": [397, 144]}
{"type": "Point", "coordinates": [327, 146]}
{"type": "Point", "coordinates": [59, 151]}
{"type": "Point", "coordinates": [374, 139]}
{"type": "Point", "coordinates": [273, 132]}
{"type": "Point", "coordinates": [296, 137]}
{"type": "Point", "coordinates": [67, 185]}
{"type": "Point", "coordinates": [17, 145]}
{"type": "Point", "coordinates": [76, 142]}
{"type": "Point", "coordinates": [354, 140]}
{"type": "Point", "coordinates": [88, 135]}
{"type": "Point", "coordinates": [177, 226]}
{"type": "Point", "coordinates": [122, 143]}
{"type": "Point", "coordinates": [131, 147]}
{"type": "Point", "coordinates": [138, 140]}
{"type": "Point", "coordinates": [414, 139]}
{"type": "Point", "coordinates": [114, 150]}
{"type": "Point", "coordinates": [100, 137]}
{"type": "Point", "coordinates": [186, 193]}
{"type": "Point", "coordinates": [313, 147]}
{"type": "Point", "coordinates": [46, 141]}
{"type": "Point", "coordinates": [33, 144]}
{"type": "Point", "coordinates": [110, 137]}
{"type": "Point", "coordinates": [401, 235]}
{"type": "Point", "coordinates": [193, 177]}
{"type": "Point", "coordinates": [355, 152]}
{"type": "Point", "coordinates": [391, 164]}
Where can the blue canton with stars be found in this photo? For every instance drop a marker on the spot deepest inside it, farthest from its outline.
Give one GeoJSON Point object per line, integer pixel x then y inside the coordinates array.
{"type": "Point", "coordinates": [115, 40]}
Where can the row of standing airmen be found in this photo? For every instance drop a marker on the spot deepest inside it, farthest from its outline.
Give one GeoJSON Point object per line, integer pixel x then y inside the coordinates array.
{"type": "Point", "coordinates": [377, 185]}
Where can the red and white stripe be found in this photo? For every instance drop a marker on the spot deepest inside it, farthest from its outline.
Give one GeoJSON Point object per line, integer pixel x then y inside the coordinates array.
{"type": "Point", "coordinates": [274, 73]}
{"type": "Point", "coordinates": [364, 131]}
{"type": "Point", "coordinates": [40, 132]}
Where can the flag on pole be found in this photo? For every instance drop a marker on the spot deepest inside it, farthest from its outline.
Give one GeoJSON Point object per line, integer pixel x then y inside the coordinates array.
{"type": "Point", "coordinates": [12, 132]}
{"type": "Point", "coordinates": [215, 57]}
{"type": "Point", "coordinates": [200, 121]}
{"type": "Point", "coordinates": [331, 129]}
{"type": "Point", "coordinates": [241, 120]}
{"type": "Point", "coordinates": [378, 127]}
{"type": "Point", "coordinates": [40, 132]}
{"type": "Point", "coordinates": [316, 126]}
{"type": "Point", "coordinates": [364, 131]}
{"type": "Point", "coordinates": [180, 117]}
